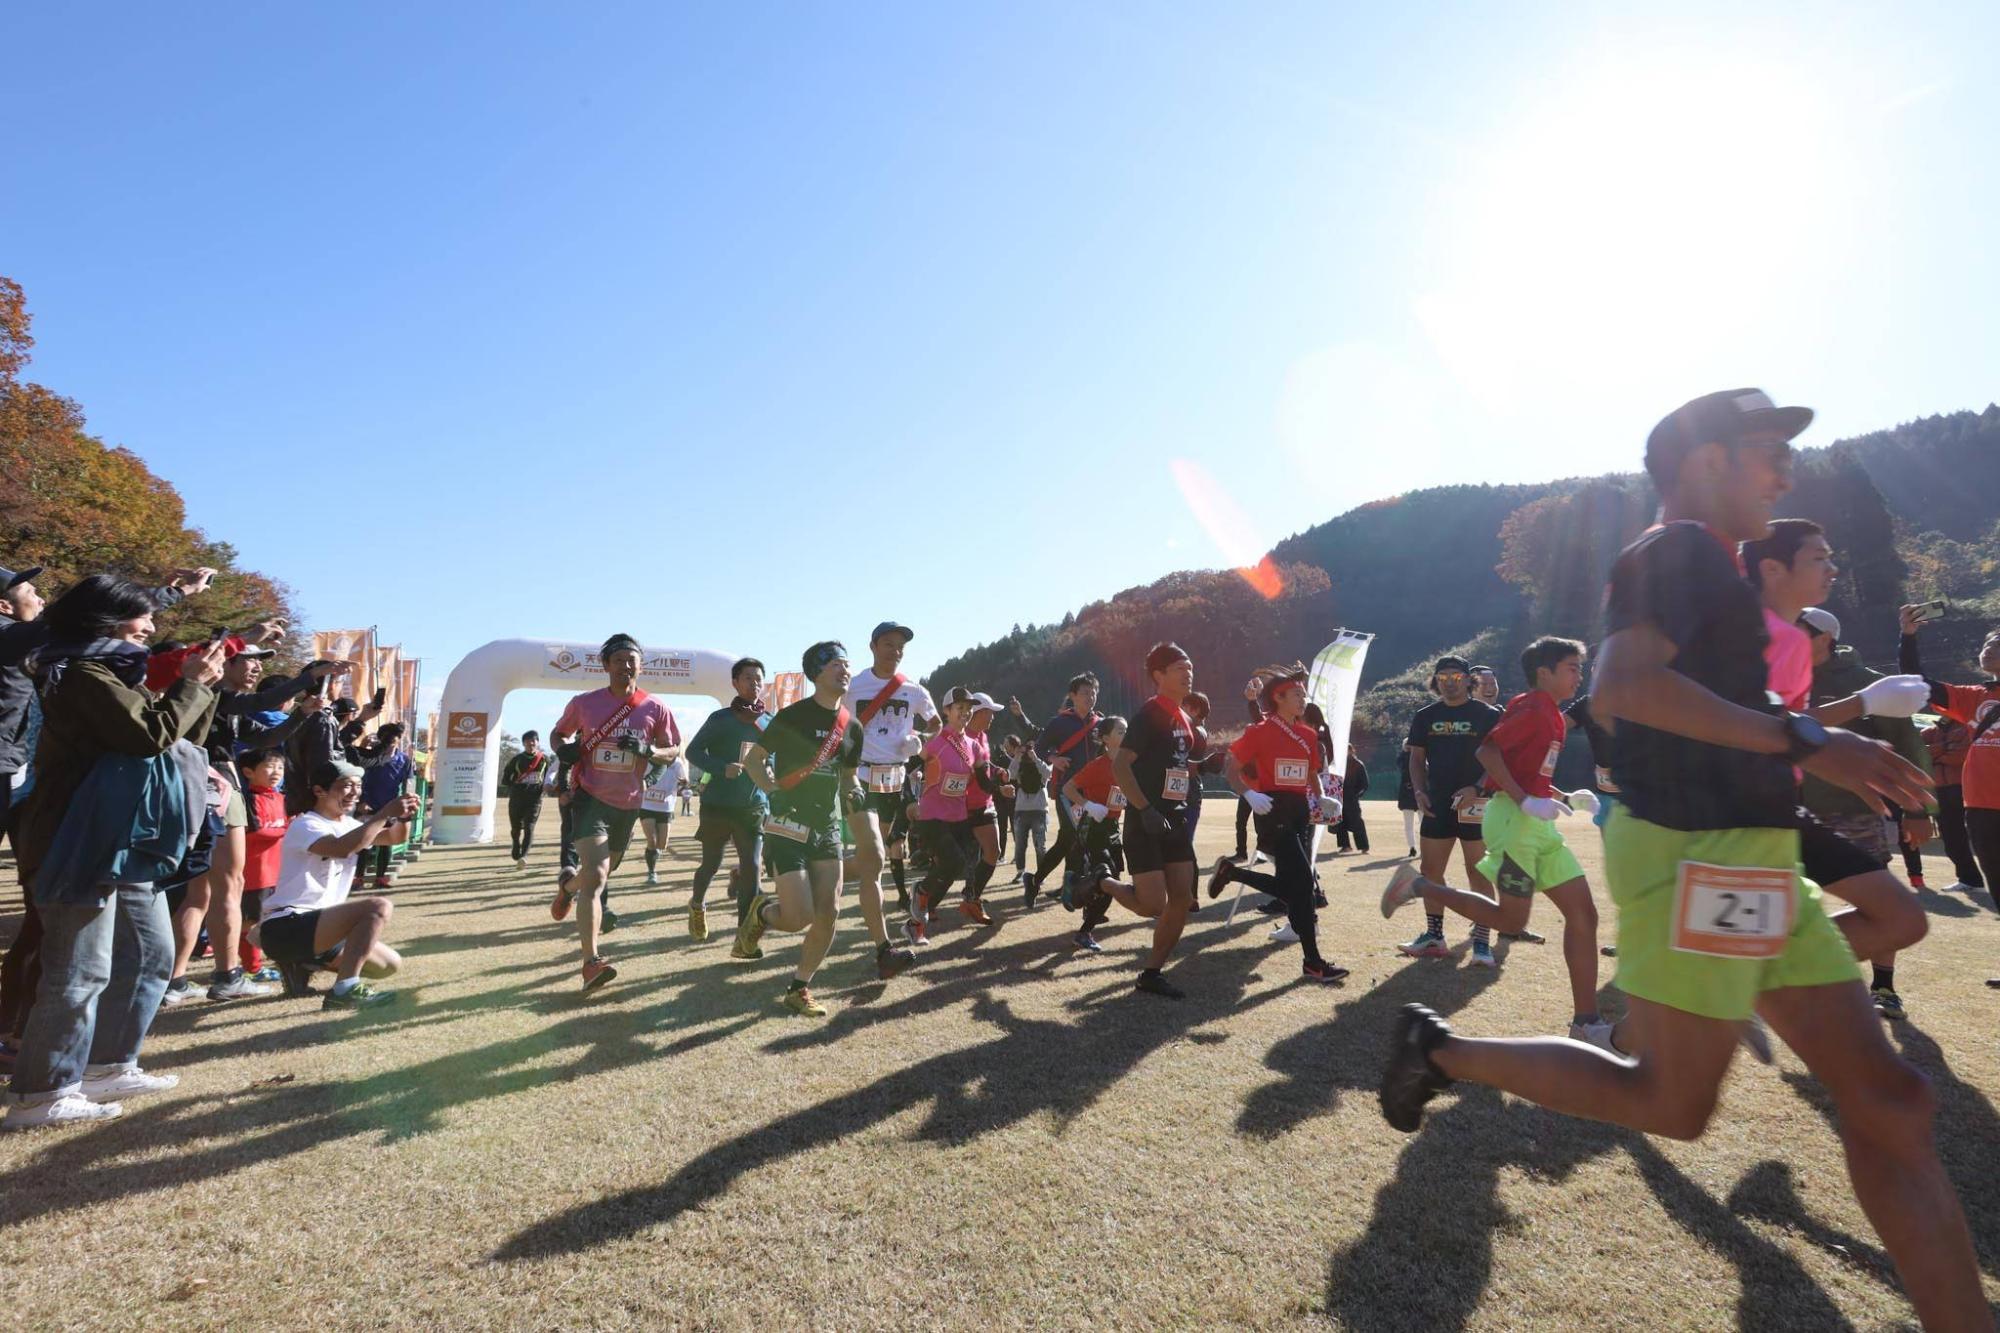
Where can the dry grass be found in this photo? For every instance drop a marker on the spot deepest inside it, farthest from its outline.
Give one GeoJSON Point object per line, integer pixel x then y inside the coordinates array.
{"type": "Point", "coordinates": [1005, 1137]}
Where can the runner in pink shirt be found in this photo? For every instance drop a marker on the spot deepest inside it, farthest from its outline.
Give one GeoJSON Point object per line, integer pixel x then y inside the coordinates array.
{"type": "Point", "coordinates": [614, 735]}
{"type": "Point", "coordinates": [943, 828]}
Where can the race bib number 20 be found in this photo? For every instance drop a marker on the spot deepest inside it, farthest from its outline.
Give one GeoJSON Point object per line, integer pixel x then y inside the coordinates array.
{"type": "Point", "coordinates": [1734, 911]}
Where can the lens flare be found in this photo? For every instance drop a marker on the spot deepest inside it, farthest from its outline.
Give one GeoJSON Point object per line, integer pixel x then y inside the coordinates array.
{"type": "Point", "coordinates": [1228, 526]}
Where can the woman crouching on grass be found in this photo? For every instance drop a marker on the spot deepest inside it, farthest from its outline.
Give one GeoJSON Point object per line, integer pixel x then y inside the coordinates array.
{"type": "Point", "coordinates": [309, 921]}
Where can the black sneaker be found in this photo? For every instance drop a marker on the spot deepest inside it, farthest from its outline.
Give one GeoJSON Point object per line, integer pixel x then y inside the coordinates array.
{"type": "Point", "coordinates": [890, 960]}
{"type": "Point", "coordinates": [1031, 888]}
{"type": "Point", "coordinates": [1319, 899]}
{"type": "Point", "coordinates": [1153, 983]}
{"type": "Point", "coordinates": [1219, 879]}
{"type": "Point", "coordinates": [1410, 1079]}
{"type": "Point", "coordinates": [1325, 973]}
{"type": "Point", "coordinates": [297, 979]}
{"type": "Point", "coordinates": [1271, 907]}
{"type": "Point", "coordinates": [608, 922]}
{"type": "Point", "coordinates": [1087, 942]}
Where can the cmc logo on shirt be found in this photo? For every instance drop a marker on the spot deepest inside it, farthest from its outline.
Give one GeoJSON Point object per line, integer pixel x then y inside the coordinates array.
{"type": "Point", "coordinates": [1451, 728]}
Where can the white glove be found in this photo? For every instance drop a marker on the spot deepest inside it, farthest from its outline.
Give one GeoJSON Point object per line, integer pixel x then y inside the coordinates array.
{"type": "Point", "coordinates": [1097, 810]}
{"type": "Point", "coordinates": [1585, 800]}
{"type": "Point", "coordinates": [1543, 807]}
{"type": "Point", "coordinates": [1895, 696]}
{"type": "Point", "coordinates": [1330, 809]}
{"type": "Point", "coordinates": [1258, 801]}
{"type": "Point", "coordinates": [913, 745]}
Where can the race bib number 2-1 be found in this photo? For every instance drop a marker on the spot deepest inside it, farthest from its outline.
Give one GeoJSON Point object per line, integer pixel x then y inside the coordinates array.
{"type": "Point", "coordinates": [1734, 911]}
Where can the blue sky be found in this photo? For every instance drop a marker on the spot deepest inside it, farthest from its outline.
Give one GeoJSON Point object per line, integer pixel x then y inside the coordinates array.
{"type": "Point", "coordinates": [737, 327]}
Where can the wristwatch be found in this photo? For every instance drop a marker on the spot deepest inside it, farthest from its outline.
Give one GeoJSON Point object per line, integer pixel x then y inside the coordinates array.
{"type": "Point", "coordinates": [1804, 736]}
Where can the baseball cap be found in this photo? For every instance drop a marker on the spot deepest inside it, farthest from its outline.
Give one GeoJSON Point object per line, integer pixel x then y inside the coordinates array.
{"type": "Point", "coordinates": [345, 704]}
{"type": "Point", "coordinates": [10, 577]}
{"type": "Point", "coordinates": [891, 627]}
{"type": "Point", "coordinates": [1165, 655]}
{"type": "Point", "coordinates": [255, 650]}
{"type": "Point", "coordinates": [1821, 620]}
{"type": "Point", "coordinates": [986, 703]}
{"type": "Point", "coordinates": [1724, 417]}
{"type": "Point", "coordinates": [958, 694]}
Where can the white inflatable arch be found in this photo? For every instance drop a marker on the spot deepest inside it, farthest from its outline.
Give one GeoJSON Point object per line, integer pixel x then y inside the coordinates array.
{"type": "Point", "coordinates": [467, 748]}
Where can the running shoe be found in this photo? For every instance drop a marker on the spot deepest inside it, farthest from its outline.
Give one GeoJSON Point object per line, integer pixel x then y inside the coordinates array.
{"type": "Point", "coordinates": [1594, 1034]}
{"type": "Point", "coordinates": [652, 879]}
{"type": "Point", "coordinates": [179, 991]}
{"type": "Point", "coordinates": [1524, 937]}
{"type": "Point", "coordinates": [1271, 907]}
{"type": "Point", "coordinates": [1916, 881]}
{"type": "Point", "coordinates": [114, 1085]}
{"type": "Point", "coordinates": [1401, 891]}
{"type": "Point", "coordinates": [1609, 951]}
{"type": "Point", "coordinates": [268, 972]}
{"type": "Point", "coordinates": [1426, 945]}
{"type": "Point", "coordinates": [564, 900]}
{"type": "Point", "coordinates": [1888, 1003]}
{"type": "Point", "coordinates": [596, 972]}
{"type": "Point", "coordinates": [919, 934]}
{"type": "Point", "coordinates": [1994, 982]}
{"type": "Point", "coordinates": [297, 979]}
{"type": "Point", "coordinates": [607, 922]}
{"type": "Point", "coordinates": [1755, 1039]}
{"type": "Point", "coordinates": [1962, 887]}
{"type": "Point", "coordinates": [520, 863]}
{"type": "Point", "coordinates": [1323, 972]}
{"type": "Point", "coordinates": [236, 986]}
{"type": "Point", "coordinates": [891, 961]}
{"type": "Point", "coordinates": [697, 922]}
{"type": "Point", "coordinates": [1481, 955]}
{"type": "Point", "coordinates": [360, 995]}
{"type": "Point", "coordinates": [1153, 982]}
{"type": "Point", "coordinates": [1319, 899]}
{"type": "Point", "coordinates": [801, 1002]}
{"type": "Point", "coordinates": [1031, 888]}
{"type": "Point", "coordinates": [1086, 941]}
{"type": "Point", "coordinates": [1218, 880]}
{"type": "Point", "coordinates": [1284, 934]}
{"type": "Point", "coordinates": [751, 930]}
{"type": "Point", "coordinates": [70, 1109]}
{"type": "Point", "coordinates": [973, 911]}
{"type": "Point", "coordinates": [1410, 1079]}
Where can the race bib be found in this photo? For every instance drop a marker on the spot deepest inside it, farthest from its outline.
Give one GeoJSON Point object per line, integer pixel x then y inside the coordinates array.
{"type": "Point", "coordinates": [954, 785]}
{"type": "Point", "coordinates": [788, 829]}
{"type": "Point", "coordinates": [1175, 787]}
{"type": "Point", "coordinates": [1734, 911]}
{"type": "Point", "coordinates": [1115, 800]}
{"type": "Point", "coordinates": [1473, 811]}
{"type": "Point", "coordinates": [611, 759]}
{"type": "Point", "coordinates": [1290, 773]}
{"type": "Point", "coordinates": [1549, 764]}
{"type": "Point", "coordinates": [885, 777]}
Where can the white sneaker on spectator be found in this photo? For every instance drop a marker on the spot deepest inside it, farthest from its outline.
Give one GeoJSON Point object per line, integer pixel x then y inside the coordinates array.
{"type": "Point", "coordinates": [238, 987]}
{"type": "Point", "coordinates": [108, 1083]}
{"type": "Point", "coordinates": [68, 1107]}
{"type": "Point", "coordinates": [1284, 934]}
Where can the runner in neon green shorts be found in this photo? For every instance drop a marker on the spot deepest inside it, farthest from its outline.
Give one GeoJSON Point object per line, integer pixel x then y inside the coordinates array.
{"type": "Point", "coordinates": [1702, 855]}
{"type": "Point", "coordinates": [1525, 854]}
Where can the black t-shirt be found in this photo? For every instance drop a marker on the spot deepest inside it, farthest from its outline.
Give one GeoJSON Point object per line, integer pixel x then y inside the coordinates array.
{"type": "Point", "coordinates": [1682, 580]}
{"type": "Point", "coordinates": [1160, 738]}
{"type": "Point", "coordinates": [1449, 737]}
{"type": "Point", "coordinates": [794, 739]}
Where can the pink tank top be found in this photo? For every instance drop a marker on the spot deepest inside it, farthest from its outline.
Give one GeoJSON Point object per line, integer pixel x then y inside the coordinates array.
{"type": "Point", "coordinates": [947, 777]}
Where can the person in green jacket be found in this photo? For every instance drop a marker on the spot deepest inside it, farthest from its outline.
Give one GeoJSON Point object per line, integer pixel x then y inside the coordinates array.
{"type": "Point", "coordinates": [732, 806]}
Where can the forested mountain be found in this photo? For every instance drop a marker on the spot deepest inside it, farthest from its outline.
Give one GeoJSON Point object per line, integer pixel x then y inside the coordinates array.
{"type": "Point", "coordinates": [1912, 512]}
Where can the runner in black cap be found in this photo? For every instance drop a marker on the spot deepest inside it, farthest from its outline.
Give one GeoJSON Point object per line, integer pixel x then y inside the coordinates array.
{"type": "Point", "coordinates": [1152, 767]}
{"type": "Point", "coordinates": [1444, 775]}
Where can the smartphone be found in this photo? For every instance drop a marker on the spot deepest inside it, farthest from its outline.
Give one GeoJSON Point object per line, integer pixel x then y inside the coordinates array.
{"type": "Point", "coordinates": [1930, 611]}
{"type": "Point", "coordinates": [221, 633]}
{"type": "Point", "coordinates": [381, 696]}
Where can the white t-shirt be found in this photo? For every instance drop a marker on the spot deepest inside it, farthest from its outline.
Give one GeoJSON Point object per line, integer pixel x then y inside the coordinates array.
{"type": "Point", "coordinates": [660, 794]}
{"type": "Point", "coordinates": [885, 735]}
{"type": "Point", "coordinates": [308, 883]}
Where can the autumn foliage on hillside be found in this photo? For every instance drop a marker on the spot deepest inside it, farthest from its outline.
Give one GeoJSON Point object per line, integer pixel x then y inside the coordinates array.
{"type": "Point", "coordinates": [75, 505]}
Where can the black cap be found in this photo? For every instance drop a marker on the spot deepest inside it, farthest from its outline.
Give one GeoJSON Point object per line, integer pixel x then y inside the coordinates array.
{"type": "Point", "coordinates": [345, 704]}
{"type": "Point", "coordinates": [1724, 418]}
{"type": "Point", "coordinates": [10, 577]}
{"type": "Point", "coordinates": [891, 627]}
{"type": "Point", "coordinates": [1165, 655]}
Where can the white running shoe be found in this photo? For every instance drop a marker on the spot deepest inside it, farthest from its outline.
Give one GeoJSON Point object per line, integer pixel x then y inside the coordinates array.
{"type": "Point", "coordinates": [652, 878]}
{"type": "Point", "coordinates": [237, 988]}
{"type": "Point", "coordinates": [1284, 934]}
{"type": "Point", "coordinates": [1961, 887]}
{"type": "Point", "coordinates": [1402, 888]}
{"type": "Point", "coordinates": [1594, 1034]}
{"type": "Point", "coordinates": [1481, 955]}
{"type": "Point", "coordinates": [71, 1108]}
{"type": "Point", "coordinates": [111, 1084]}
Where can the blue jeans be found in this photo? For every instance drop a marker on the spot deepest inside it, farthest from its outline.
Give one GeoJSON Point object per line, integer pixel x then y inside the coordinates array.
{"type": "Point", "coordinates": [104, 969]}
{"type": "Point", "coordinates": [1030, 824]}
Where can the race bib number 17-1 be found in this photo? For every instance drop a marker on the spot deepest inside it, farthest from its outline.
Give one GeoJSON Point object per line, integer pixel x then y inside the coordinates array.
{"type": "Point", "coordinates": [1734, 911]}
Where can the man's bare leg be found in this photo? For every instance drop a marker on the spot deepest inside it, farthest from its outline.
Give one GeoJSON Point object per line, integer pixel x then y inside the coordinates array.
{"type": "Point", "coordinates": [595, 854]}
{"type": "Point", "coordinates": [868, 860]}
{"type": "Point", "coordinates": [1177, 883]}
{"type": "Point", "coordinates": [1884, 1111]}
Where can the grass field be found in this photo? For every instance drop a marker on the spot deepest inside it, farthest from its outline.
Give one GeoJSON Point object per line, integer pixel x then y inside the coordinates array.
{"type": "Point", "coordinates": [1004, 1137]}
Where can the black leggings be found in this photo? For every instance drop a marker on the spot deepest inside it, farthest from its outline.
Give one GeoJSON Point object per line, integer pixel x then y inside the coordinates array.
{"type": "Point", "coordinates": [953, 853]}
{"type": "Point", "coordinates": [1951, 828]}
{"type": "Point", "coordinates": [522, 812]}
{"type": "Point", "coordinates": [1982, 828]}
{"type": "Point", "coordinates": [1242, 829]}
{"type": "Point", "coordinates": [1287, 836]}
{"type": "Point", "coordinates": [1351, 827]}
{"type": "Point", "coordinates": [716, 833]}
{"type": "Point", "coordinates": [1060, 851]}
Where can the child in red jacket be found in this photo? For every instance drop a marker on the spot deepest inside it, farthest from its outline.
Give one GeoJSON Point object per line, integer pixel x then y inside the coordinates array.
{"type": "Point", "coordinates": [262, 770]}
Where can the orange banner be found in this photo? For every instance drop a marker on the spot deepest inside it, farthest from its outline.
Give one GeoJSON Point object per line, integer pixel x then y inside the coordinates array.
{"type": "Point", "coordinates": [783, 689]}
{"type": "Point", "coordinates": [349, 645]}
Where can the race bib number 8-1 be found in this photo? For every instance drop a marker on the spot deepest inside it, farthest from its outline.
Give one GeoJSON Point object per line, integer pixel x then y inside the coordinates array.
{"type": "Point", "coordinates": [611, 759]}
{"type": "Point", "coordinates": [1734, 911]}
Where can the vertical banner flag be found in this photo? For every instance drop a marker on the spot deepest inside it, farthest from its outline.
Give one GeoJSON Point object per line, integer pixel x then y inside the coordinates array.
{"type": "Point", "coordinates": [783, 690]}
{"type": "Point", "coordinates": [412, 678]}
{"type": "Point", "coordinates": [349, 645]}
{"type": "Point", "coordinates": [389, 679]}
{"type": "Point", "coordinates": [1335, 680]}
